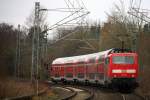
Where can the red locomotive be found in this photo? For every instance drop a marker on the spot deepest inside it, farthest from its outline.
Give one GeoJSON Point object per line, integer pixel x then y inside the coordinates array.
{"type": "Point", "coordinates": [110, 66]}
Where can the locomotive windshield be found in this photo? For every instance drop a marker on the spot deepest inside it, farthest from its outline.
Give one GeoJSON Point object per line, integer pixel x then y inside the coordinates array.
{"type": "Point", "coordinates": [123, 60]}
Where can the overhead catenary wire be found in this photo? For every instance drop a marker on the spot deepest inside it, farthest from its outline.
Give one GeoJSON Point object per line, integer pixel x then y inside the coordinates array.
{"type": "Point", "coordinates": [69, 21]}
{"type": "Point", "coordinates": [50, 28]}
{"type": "Point", "coordinates": [77, 11]}
{"type": "Point", "coordinates": [83, 6]}
{"type": "Point", "coordinates": [65, 18]}
{"type": "Point", "coordinates": [61, 9]}
{"type": "Point", "coordinates": [36, 41]}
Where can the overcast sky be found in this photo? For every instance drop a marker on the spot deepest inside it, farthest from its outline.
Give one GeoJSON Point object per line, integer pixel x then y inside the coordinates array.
{"type": "Point", "coordinates": [16, 11]}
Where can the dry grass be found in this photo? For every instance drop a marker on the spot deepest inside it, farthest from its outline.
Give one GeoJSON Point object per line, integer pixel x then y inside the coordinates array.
{"type": "Point", "coordinates": [48, 96]}
{"type": "Point", "coordinates": [11, 88]}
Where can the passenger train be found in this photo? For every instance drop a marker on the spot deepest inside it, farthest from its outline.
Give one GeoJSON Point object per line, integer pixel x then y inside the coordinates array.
{"type": "Point", "coordinates": [113, 66]}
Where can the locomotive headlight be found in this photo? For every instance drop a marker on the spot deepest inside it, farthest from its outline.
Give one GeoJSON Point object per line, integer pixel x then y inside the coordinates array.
{"type": "Point", "coordinates": [115, 75]}
{"type": "Point", "coordinates": [116, 71]}
{"type": "Point", "coordinates": [133, 75]}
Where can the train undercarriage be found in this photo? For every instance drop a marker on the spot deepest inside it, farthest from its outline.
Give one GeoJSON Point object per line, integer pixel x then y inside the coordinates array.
{"type": "Point", "coordinates": [119, 84]}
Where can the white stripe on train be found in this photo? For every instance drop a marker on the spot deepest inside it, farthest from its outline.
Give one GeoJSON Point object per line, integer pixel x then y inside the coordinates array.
{"type": "Point", "coordinates": [123, 71]}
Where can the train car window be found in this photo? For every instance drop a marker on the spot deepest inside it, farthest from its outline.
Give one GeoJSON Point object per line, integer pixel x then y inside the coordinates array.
{"type": "Point", "coordinates": [107, 61]}
{"type": "Point", "coordinates": [69, 75]}
{"type": "Point", "coordinates": [100, 60]}
{"type": "Point", "coordinates": [100, 75]}
{"type": "Point", "coordinates": [91, 75]}
{"type": "Point", "coordinates": [92, 60]}
{"type": "Point", "coordinates": [80, 75]}
{"type": "Point", "coordinates": [57, 75]}
{"type": "Point", "coordinates": [51, 68]}
{"type": "Point", "coordinates": [81, 63]}
{"type": "Point", "coordinates": [123, 60]}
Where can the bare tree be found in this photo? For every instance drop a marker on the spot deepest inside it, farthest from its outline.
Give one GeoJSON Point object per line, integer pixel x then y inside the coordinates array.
{"type": "Point", "coordinates": [83, 40]}
{"type": "Point", "coordinates": [119, 25]}
{"type": "Point", "coordinates": [8, 36]}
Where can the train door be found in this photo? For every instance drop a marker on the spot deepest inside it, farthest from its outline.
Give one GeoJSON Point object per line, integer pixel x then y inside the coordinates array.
{"type": "Point", "coordinates": [75, 70]}
{"type": "Point", "coordinates": [91, 70]}
{"type": "Point", "coordinates": [80, 71]}
{"type": "Point", "coordinates": [56, 73]}
{"type": "Point", "coordinates": [100, 69]}
{"type": "Point", "coordinates": [69, 72]}
{"type": "Point", "coordinates": [51, 71]}
{"type": "Point", "coordinates": [106, 69]}
{"type": "Point", "coordinates": [86, 70]}
{"type": "Point", "coordinates": [62, 72]}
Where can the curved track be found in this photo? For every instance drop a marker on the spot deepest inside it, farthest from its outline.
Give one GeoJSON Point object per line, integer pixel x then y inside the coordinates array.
{"type": "Point", "coordinates": [78, 93]}
{"type": "Point", "coordinates": [82, 94]}
{"type": "Point", "coordinates": [101, 93]}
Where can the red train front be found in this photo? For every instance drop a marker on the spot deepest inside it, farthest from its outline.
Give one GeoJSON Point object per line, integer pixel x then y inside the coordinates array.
{"type": "Point", "coordinates": [113, 66]}
{"type": "Point", "coordinates": [122, 68]}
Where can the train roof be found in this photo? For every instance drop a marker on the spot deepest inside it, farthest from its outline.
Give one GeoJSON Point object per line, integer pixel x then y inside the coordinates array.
{"type": "Point", "coordinates": [81, 58]}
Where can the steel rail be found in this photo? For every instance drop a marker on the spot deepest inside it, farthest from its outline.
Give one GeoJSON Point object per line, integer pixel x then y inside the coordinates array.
{"type": "Point", "coordinates": [123, 96]}
{"type": "Point", "coordinates": [74, 94]}
{"type": "Point", "coordinates": [92, 91]}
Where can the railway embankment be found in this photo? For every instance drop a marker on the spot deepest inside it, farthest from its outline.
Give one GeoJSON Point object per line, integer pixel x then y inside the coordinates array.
{"type": "Point", "coordinates": [14, 90]}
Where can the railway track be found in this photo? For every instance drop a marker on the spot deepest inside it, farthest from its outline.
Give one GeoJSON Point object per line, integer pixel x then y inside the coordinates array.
{"type": "Point", "coordinates": [82, 92]}
{"type": "Point", "coordinates": [78, 93]}
{"type": "Point", "coordinates": [132, 96]}
{"type": "Point", "coordinates": [123, 96]}
{"type": "Point", "coordinates": [101, 93]}
{"type": "Point", "coordinates": [67, 94]}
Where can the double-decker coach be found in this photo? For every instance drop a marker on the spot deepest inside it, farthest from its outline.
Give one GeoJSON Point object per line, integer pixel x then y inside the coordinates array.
{"type": "Point", "coordinates": [110, 66]}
